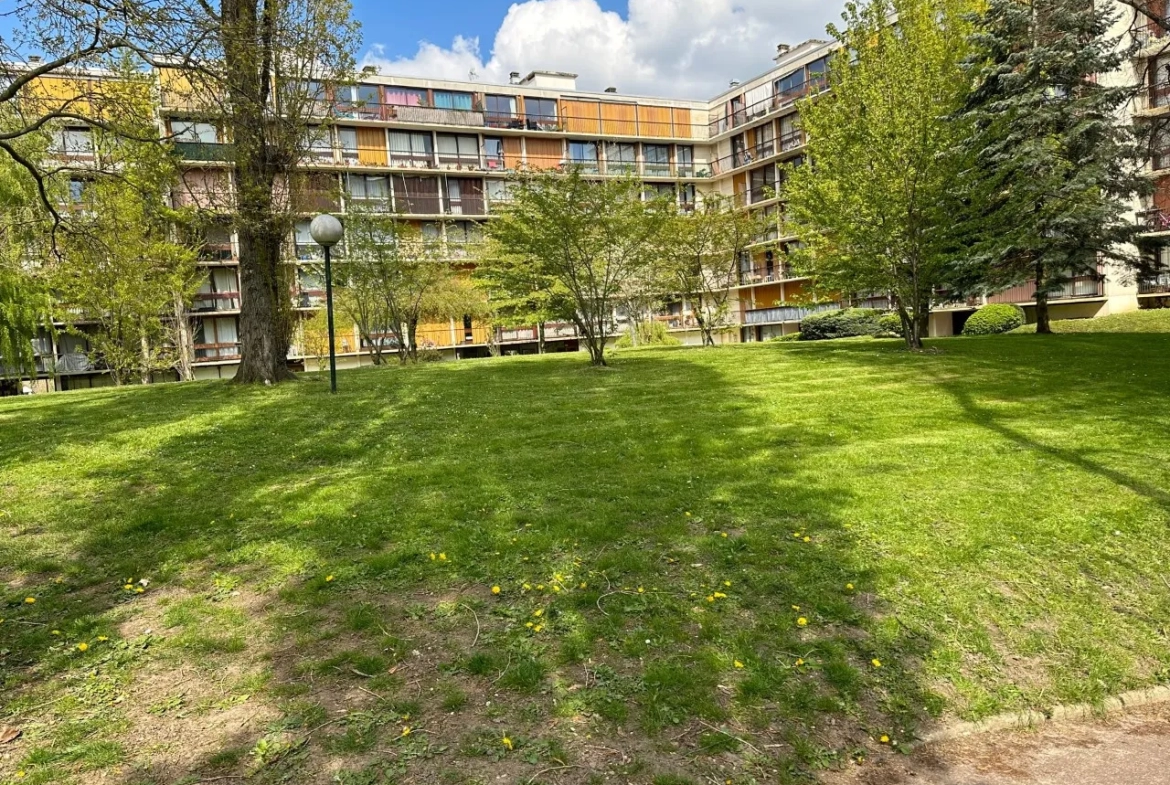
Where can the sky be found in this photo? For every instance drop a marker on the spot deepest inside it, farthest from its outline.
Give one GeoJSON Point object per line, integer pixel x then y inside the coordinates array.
{"type": "Point", "coordinates": [670, 48]}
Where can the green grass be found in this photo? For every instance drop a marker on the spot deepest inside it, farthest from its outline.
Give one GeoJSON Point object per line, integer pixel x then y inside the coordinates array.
{"type": "Point", "coordinates": [701, 555]}
{"type": "Point", "coordinates": [1156, 320]}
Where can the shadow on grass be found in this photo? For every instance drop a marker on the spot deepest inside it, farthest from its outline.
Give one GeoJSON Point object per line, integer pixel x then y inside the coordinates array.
{"type": "Point", "coordinates": [673, 580]}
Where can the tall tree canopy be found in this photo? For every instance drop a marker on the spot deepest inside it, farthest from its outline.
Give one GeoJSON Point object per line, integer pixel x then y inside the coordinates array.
{"type": "Point", "coordinates": [874, 208]}
{"type": "Point", "coordinates": [1053, 167]}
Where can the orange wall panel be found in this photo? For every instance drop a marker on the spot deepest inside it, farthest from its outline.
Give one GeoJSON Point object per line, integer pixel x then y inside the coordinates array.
{"type": "Point", "coordinates": [544, 153]}
{"type": "Point", "coordinates": [371, 146]}
{"type": "Point", "coordinates": [682, 124]}
{"type": "Point", "coordinates": [621, 119]}
{"type": "Point", "coordinates": [654, 120]}
{"type": "Point", "coordinates": [581, 117]}
{"type": "Point", "coordinates": [513, 152]}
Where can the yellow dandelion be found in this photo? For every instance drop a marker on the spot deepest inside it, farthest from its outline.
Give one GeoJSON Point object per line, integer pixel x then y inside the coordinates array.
{"type": "Point", "coordinates": [506, 742]}
{"type": "Point", "coordinates": [527, 587]}
{"type": "Point", "coordinates": [808, 539]}
{"type": "Point", "coordinates": [442, 557]}
{"type": "Point", "coordinates": [796, 535]}
{"type": "Point", "coordinates": [433, 557]}
{"type": "Point", "coordinates": [795, 607]}
{"type": "Point", "coordinates": [556, 589]}
{"type": "Point", "coordinates": [82, 646]}
{"type": "Point", "coordinates": [641, 590]}
{"type": "Point", "coordinates": [688, 514]}
{"type": "Point", "coordinates": [727, 583]}
{"type": "Point", "coordinates": [103, 638]}
{"type": "Point", "coordinates": [128, 587]}
{"type": "Point", "coordinates": [139, 590]}
{"type": "Point", "coordinates": [802, 622]}
{"type": "Point", "coordinates": [328, 578]}
{"type": "Point", "coordinates": [738, 664]}
{"type": "Point", "coordinates": [885, 739]}
{"type": "Point", "coordinates": [528, 625]}
{"type": "Point", "coordinates": [540, 587]}
{"type": "Point", "coordinates": [799, 661]}
{"type": "Point", "coordinates": [55, 632]}
{"type": "Point", "coordinates": [584, 585]}
{"type": "Point", "coordinates": [849, 586]}
{"type": "Point", "coordinates": [495, 590]}
{"type": "Point", "coordinates": [722, 534]}
{"type": "Point", "coordinates": [30, 600]}
{"type": "Point", "coordinates": [405, 730]}
{"type": "Point", "coordinates": [876, 662]}
{"type": "Point", "coordinates": [538, 612]}
{"type": "Point", "coordinates": [710, 598]}
{"type": "Point", "coordinates": [538, 628]}
{"type": "Point", "coordinates": [719, 595]}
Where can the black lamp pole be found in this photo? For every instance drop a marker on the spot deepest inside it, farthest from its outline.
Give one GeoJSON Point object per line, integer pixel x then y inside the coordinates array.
{"type": "Point", "coordinates": [329, 320]}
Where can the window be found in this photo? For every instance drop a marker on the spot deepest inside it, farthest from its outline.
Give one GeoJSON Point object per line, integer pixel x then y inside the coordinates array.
{"type": "Point", "coordinates": [739, 151]}
{"type": "Point", "coordinates": [738, 116]}
{"type": "Point", "coordinates": [493, 152]}
{"type": "Point", "coordinates": [412, 148]}
{"type": "Point", "coordinates": [500, 111]}
{"type": "Point", "coordinates": [310, 289]}
{"type": "Point", "coordinates": [464, 196]}
{"type": "Point", "coordinates": [319, 144]}
{"type": "Point", "coordinates": [652, 191]}
{"type": "Point", "coordinates": [790, 137]}
{"type": "Point", "coordinates": [762, 184]}
{"type": "Point", "coordinates": [305, 246]}
{"type": "Point", "coordinates": [818, 74]}
{"type": "Point", "coordinates": [686, 196]}
{"type": "Point", "coordinates": [458, 149]}
{"type": "Point", "coordinates": [406, 96]}
{"type": "Point", "coordinates": [541, 113]}
{"type": "Point", "coordinates": [584, 154]}
{"type": "Point", "coordinates": [76, 191]}
{"type": "Point", "coordinates": [448, 100]}
{"type": "Point", "coordinates": [185, 131]}
{"type": "Point", "coordinates": [620, 158]}
{"type": "Point", "coordinates": [75, 142]}
{"type": "Point", "coordinates": [497, 191]}
{"type": "Point", "coordinates": [417, 195]}
{"type": "Point", "coordinates": [216, 339]}
{"type": "Point", "coordinates": [369, 191]}
{"type": "Point", "coordinates": [684, 160]}
{"type": "Point", "coordinates": [349, 144]}
{"type": "Point", "coordinates": [790, 87]}
{"type": "Point", "coordinates": [368, 95]}
{"type": "Point", "coordinates": [1160, 149]}
{"type": "Point", "coordinates": [765, 141]}
{"type": "Point", "coordinates": [656, 160]}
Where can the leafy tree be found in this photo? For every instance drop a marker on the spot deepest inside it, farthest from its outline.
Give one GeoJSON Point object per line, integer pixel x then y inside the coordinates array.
{"type": "Point", "coordinates": [395, 278]}
{"type": "Point", "coordinates": [122, 268]}
{"type": "Point", "coordinates": [520, 294]}
{"type": "Point", "coordinates": [590, 240]}
{"type": "Point", "coordinates": [874, 210]}
{"type": "Point", "coordinates": [706, 246]}
{"type": "Point", "coordinates": [265, 71]}
{"type": "Point", "coordinates": [1054, 167]}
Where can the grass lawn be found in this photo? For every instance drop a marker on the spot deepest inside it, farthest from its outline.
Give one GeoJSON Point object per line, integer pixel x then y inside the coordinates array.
{"type": "Point", "coordinates": [1155, 320]}
{"type": "Point", "coordinates": [738, 565]}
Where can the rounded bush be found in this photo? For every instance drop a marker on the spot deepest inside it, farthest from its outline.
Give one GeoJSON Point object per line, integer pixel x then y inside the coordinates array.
{"type": "Point", "coordinates": [890, 325]}
{"type": "Point", "coordinates": [846, 323]}
{"type": "Point", "coordinates": [994, 319]}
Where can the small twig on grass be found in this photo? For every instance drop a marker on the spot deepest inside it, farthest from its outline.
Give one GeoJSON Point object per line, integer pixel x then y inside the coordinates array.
{"type": "Point", "coordinates": [369, 692]}
{"type": "Point", "coordinates": [31, 623]}
{"type": "Point", "coordinates": [744, 742]}
{"type": "Point", "coordinates": [473, 613]}
{"type": "Point", "coordinates": [220, 778]}
{"type": "Point", "coordinates": [549, 771]}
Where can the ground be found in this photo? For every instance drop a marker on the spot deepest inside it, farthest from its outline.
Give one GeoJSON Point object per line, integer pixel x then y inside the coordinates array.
{"type": "Point", "coordinates": [746, 564]}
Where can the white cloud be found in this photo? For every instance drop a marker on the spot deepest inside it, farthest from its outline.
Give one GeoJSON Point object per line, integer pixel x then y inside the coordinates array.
{"type": "Point", "coordinates": [683, 48]}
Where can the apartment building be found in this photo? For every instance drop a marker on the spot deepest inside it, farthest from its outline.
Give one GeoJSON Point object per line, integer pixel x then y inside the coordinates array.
{"type": "Point", "coordinates": [438, 153]}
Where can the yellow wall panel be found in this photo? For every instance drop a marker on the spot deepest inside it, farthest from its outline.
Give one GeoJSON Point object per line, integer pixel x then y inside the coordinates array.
{"type": "Point", "coordinates": [371, 146]}
{"type": "Point", "coordinates": [513, 152]}
{"type": "Point", "coordinates": [682, 124]}
{"type": "Point", "coordinates": [581, 117]}
{"type": "Point", "coordinates": [544, 153]}
{"type": "Point", "coordinates": [654, 120]}
{"type": "Point", "coordinates": [621, 119]}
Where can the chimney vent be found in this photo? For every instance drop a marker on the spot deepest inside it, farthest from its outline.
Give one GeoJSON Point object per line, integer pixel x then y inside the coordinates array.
{"type": "Point", "coordinates": [611, 89]}
{"type": "Point", "coordinates": [514, 77]}
{"type": "Point", "coordinates": [369, 70]}
{"type": "Point", "coordinates": [781, 51]}
{"type": "Point", "coordinates": [34, 59]}
{"type": "Point", "coordinates": [733, 83]}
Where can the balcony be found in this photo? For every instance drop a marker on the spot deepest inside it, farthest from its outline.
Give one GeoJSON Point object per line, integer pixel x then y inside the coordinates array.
{"type": "Point", "coordinates": [678, 321]}
{"type": "Point", "coordinates": [1154, 283]}
{"type": "Point", "coordinates": [216, 252]}
{"type": "Point", "coordinates": [759, 275]}
{"type": "Point", "coordinates": [1078, 287]}
{"type": "Point", "coordinates": [1155, 220]}
{"type": "Point", "coordinates": [767, 106]}
{"type": "Point", "coordinates": [70, 362]}
{"type": "Point", "coordinates": [466, 205]}
{"type": "Point", "coordinates": [1148, 34]}
{"type": "Point", "coordinates": [787, 313]}
{"type": "Point", "coordinates": [1153, 99]}
{"type": "Point", "coordinates": [792, 140]}
{"type": "Point", "coordinates": [204, 151]}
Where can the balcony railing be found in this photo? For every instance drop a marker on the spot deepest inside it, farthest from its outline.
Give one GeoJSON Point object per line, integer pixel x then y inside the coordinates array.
{"type": "Point", "coordinates": [466, 205]}
{"type": "Point", "coordinates": [1078, 287]}
{"type": "Point", "coordinates": [1146, 32]}
{"type": "Point", "coordinates": [204, 151]}
{"type": "Point", "coordinates": [767, 106]}
{"type": "Point", "coordinates": [216, 252]}
{"type": "Point", "coordinates": [758, 275]}
{"type": "Point", "coordinates": [1154, 283]}
{"type": "Point", "coordinates": [786, 313]}
{"type": "Point", "coordinates": [1155, 220]}
{"type": "Point", "coordinates": [216, 301]}
{"type": "Point", "coordinates": [213, 352]}
{"type": "Point", "coordinates": [1153, 98]}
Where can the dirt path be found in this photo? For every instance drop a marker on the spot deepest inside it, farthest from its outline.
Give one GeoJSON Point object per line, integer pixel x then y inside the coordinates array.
{"type": "Point", "coordinates": [1125, 749]}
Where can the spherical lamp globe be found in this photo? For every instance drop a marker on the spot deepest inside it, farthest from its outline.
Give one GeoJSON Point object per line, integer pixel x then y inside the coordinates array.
{"type": "Point", "coordinates": [326, 230]}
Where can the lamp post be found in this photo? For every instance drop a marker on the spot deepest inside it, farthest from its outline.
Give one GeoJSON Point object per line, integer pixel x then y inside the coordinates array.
{"type": "Point", "coordinates": [326, 231]}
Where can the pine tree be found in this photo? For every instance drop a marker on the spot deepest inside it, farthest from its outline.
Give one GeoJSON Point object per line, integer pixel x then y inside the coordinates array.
{"type": "Point", "coordinates": [1055, 166]}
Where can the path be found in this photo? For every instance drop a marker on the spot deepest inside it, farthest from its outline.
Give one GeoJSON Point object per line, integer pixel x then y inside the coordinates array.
{"type": "Point", "coordinates": [1132, 748]}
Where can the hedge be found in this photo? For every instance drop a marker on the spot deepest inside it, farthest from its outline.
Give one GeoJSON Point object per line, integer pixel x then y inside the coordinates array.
{"type": "Point", "coordinates": [994, 319]}
{"type": "Point", "coordinates": [840, 324]}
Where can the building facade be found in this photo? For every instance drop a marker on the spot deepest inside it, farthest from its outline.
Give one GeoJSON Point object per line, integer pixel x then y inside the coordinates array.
{"type": "Point", "coordinates": [437, 153]}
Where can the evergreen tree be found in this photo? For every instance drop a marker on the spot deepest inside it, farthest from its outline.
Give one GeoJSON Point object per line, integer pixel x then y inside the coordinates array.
{"type": "Point", "coordinates": [1055, 166]}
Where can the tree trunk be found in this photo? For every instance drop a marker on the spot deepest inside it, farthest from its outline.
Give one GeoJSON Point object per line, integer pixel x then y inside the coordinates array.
{"type": "Point", "coordinates": [264, 322]}
{"type": "Point", "coordinates": [145, 375]}
{"type": "Point", "coordinates": [412, 339]}
{"type": "Point", "coordinates": [540, 337]}
{"type": "Point", "coordinates": [184, 349]}
{"type": "Point", "coordinates": [1043, 327]}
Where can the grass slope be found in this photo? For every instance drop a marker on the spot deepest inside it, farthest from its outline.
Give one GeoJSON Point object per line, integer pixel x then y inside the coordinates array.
{"type": "Point", "coordinates": [738, 564]}
{"type": "Point", "coordinates": [1156, 320]}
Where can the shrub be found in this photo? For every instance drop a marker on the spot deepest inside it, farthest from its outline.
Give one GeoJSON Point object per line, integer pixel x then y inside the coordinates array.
{"type": "Point", "coordinates": [789, 337]}
{"type": "Point", "coordinates": [994, 319]}
{"type": "Point", "coordinates": [889, 326]}
{"type": "Point", "coordinates": [839, 324]}
{"type": "Point", "coordinates": [649, 334]}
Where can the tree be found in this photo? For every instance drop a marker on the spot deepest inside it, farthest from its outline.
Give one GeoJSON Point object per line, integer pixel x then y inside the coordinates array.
{"type": "Point", "coordinates": [874, 210]}
{"type": "Point", "coordinates": [271, 73]}
{"type": "Point", "coordinates": [121, 268]}
{"type": "Point", "coordinates": [1053, 168]}
{"type": "Point", "coordinates": [584, 240]}
{"type": "Point", "coordinates": [705, 250]}
{"type": "Point", "coordinates": [395, 278]}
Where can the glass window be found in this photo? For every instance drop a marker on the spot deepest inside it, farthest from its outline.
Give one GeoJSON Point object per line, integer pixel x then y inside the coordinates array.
{"type": "Point", "coordinates": [405, 96]}
{"type": "Point", "coordinates": [349, 143]}
{"type": "Point", "coordinates": [504, 105]}
{"type": "Point", "coordinates": [497, 190]}
{"type": "Point", "coordinates": [319, 143]}
{"type": "Point", "coordinates": [458, 147]}
{"type": "Point", "coordinates": [790, 87]}
{"type": "Point", "coordinates": [368, 94]}
{"type": "Point", "coordinates": [76, 190]}
{"type": "Point", "coordinates": [185, 131]}
{"type": "Point", "coordinates": [448, 100]}
{"type": "Point", "coordinates": [818, 72]}
{"type": "Point", "coordinates": [416, 147]}
{"type": "Point", "coordinates": [684, 159]}
{"type": "Point", "coordinates": [493, 152]}
{"type": "Point", "coordinates": [541, 112]}
{"type": "Point", "coordinates": [619, 157]}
